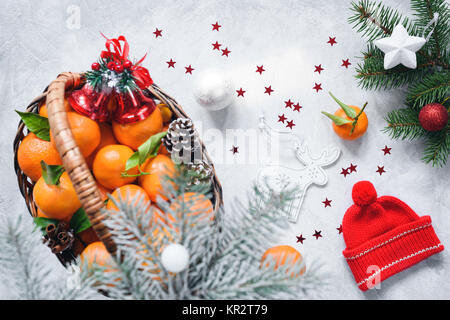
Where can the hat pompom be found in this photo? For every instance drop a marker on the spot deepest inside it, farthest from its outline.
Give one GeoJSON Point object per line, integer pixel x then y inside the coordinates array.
{"type": "Point", "coordinates": [364, 193]}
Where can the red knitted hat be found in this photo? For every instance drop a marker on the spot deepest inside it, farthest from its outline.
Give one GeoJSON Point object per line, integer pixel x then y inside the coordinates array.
{"type": "Point", "coordinates": [384, 236]}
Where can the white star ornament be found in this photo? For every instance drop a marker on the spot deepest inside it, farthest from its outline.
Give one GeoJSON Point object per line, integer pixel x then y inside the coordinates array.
{"type": "Point", "coordinates": [400, 48]}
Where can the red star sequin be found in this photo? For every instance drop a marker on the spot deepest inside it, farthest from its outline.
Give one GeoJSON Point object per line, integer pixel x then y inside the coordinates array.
{"type": "Point", "coordinates": [282, 118]}
{"type": "Point", "coordinates": [352, 168]}
{"type": "Point", "coordinates": [269, 90]}
{"type": "Point", "coordinates": [318, 68]}
{"type": "Point", "coordinates": [290, 124]}
{"type": "Point", "coordinates": [189, 69]}
{"type": "Point", "coordinates": [317, 87]}
{"type": "Point", "coordinates": [225, 52]}
{"type": "Point", "coordinates": [216, 26]}
{"type": "Point", "coordinates": [297, 107]}
{"type": "Point", "coordinates": [339, 229]}
{"type": "Point", "coordinates": [332, 40]}
{"type": "Point", "coordinates": [344, 172]}
{"type": "Point", "coordinates": [260, 69]}
{"type": "Point", "coordinates": [317, 234]}
{"type": "Point", "coordinates": [216, 46]}
{"type": "Point", "coordinates": [345, 63]}
{"type": "Point", "coordinates": [300, 238]}
{"type": "Point", "coordinates": [234, 150]}
{"type": "Point", "coordinates": [240, 92]}
{"type": "Point", "coordinates": [386, 150]}
{"type": "Point", "coordinates": [380, 170]}
{"type": "Point", "coordinates": [171, 63]}
{"type": "Point", "coordinates": [327, 202]}
{"type": "Point", "coordinates": [157, 33]}
{"type": "Point", "coordinates": [288, 103]}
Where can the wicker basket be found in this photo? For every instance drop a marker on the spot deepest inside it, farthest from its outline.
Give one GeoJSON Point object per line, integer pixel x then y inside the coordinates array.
{"type": "Point", "coordinates": [74, 162]}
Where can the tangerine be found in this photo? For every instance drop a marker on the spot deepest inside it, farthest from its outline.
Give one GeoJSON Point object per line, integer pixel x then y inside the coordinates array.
{"type": "Point", "coordinates": [283, 254]}
{"type": "Point", "coordinates": [158, 167]}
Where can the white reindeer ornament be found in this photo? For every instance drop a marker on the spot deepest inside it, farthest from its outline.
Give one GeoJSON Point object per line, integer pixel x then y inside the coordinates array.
{"type": "Point", "coordinates": [279, 176]}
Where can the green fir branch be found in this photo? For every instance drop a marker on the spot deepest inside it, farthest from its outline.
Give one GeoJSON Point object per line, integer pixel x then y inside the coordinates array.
{"type": "Point", "coordinates": [433, 88]}
{"type": "Point", "coordinates": [404, 124]}
{"type": "Point", "coordinates": [437, 147]}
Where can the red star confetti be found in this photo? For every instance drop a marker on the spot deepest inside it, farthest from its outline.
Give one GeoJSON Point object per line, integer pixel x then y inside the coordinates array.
{"type": "Point", "coordinates": [297, 107]}
{"type": "Point", "coordinates": [216, 46]}
{"type": "Point", "coordinates": [157, 33]}
{"type": "Point", "coordinates": [317, 234]}
{"type": "Point", "coordinates": [332, 40]}
{"type": "Point", "coordinates": [269, 90]}
{"type": "Point", "coordinates": [282, 118]}
{"type": "Point", "coordinates": [234, 150]}
{"type": "Point", "coordinates": [225, 52]}
{"type": "Point", "coordinates": [318, 68]}
{"type": "Point", "coordinates": [171, 63]}
{"type": "Point", "coordinates": [345, 172]}
{"type": "Point", "coordinates": [345, 63]}
{"type": "Point", "coordinates": [386, 150]}
{"type": "Point", "coordinates": [380, 170]}
{"type": "Point", "coordinates": [216, 26]}
{"type": "Point", "coordinates": [352, 168]}
{"type": "Point", "coordinates": [288, 103]}
{"type": "Point", "coordinates": [189, 69]}
{"type": "Point", "coordinates": [259, 69]}
{"type": "Point", "coordinates": [327, 202]}
{"type": "Point", "coordinates": [240, 92]}
{"type": "Point", "coordinates": [339, 229]}
{"type": "Point", "coordinates": [300, 238]}
{"type": "Point", "coordinates": [317, 87]}
{"type": "Point", "coordinates": [290, 124]}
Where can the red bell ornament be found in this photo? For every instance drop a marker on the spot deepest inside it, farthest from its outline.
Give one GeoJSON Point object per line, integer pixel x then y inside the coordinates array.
{"type": "Point", "coordinates": [90, 103]}
{"type": "Point", "coordinates": [133, 106]}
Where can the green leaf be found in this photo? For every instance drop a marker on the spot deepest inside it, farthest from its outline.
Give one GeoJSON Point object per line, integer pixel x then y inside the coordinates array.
{"type": "Point", "coordinates": [51, 173]}
{"type": "Point", "coordinates": [339, 121]}
{"type": "Point", "coordinates": [350, 112]}
{"type": "Point", "coordinates": [37, 124]}
{"type": "Point", "coordinates": [148, 149]}
{"type": "Point", "coordinates": [80, 221]}
{"type": "Point", "coordinates": [42, 223]}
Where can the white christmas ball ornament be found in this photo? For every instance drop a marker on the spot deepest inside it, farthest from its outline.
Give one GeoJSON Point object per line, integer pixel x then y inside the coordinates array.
{"type": "Point", "coordinates": [214, 90]}
{"type": "Point", "coordinates": [175, 257]}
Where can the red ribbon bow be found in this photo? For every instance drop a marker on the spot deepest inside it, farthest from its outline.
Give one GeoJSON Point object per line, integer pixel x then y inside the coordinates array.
{"type": "Point", "coordinates": [119, 55]}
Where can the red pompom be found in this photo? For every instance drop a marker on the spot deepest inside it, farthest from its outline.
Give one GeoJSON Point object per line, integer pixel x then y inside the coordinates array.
{"type": "Point", "coordinates": [119, 68]}
{"type": "Point", "coordinates": [364, 193]}
{"type": "Point", "coordinates": [95, 66]}
{"type": "Point", "coordinates": [127, 64]}
{"type": "Point", "coordinates": [111, 65]}
{"type": "Point", "coordinates": [433, 117]}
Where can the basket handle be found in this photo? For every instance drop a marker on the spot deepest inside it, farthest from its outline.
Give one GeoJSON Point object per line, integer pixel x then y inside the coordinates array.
{"type": "Point", "coordinates": [72, 159]}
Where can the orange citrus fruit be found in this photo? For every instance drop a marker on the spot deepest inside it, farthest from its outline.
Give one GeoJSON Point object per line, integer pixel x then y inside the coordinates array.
{"type": "Point", "coordinates": [96, 253]}
{"type": "Point", "coordinates": [344, 131]}
{"type": "Point", "coordinates": [41, 214]}
{"type": "Point", "coordinates": [44, 112]}
{"type": "Point", "coordinates": [103, 191]}
{"type": "Point", "coordinates": [57, 201]}
{"type": "Point", "coordinates": [32, 151]}
{"type": "Point", "coordinates": [109, 163]}
{"type": "Point", "coordinates": [195, 203]}
{"type": "Point", "coordinates": [162, 148]}
{"type": "Point", "coordinates": [135, 134]}
{"type": "Point", "coordinates": [133, 193]}
{"type": "Point", "coordinates": [283, 254]}
{"type": "Point", "coordinates": [158, 167]}
{"type": "Point", "coordinates": [166, 113]}
{"type": "Point", "coordinates": [86, 132]}
{"type": "Point", "coordinates": [107, 138]}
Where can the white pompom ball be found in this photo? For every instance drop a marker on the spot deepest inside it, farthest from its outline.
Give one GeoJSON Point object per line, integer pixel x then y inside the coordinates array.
{"type": "Point", "coordinates": [175, 257]}
{"type": "Point", "coordinates": [214, 90]}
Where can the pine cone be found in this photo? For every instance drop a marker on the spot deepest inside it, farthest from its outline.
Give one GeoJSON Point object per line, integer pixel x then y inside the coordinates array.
{"type": "Point", "coordinates": [202, 172]}
{"type": "Point", "coordinates": [181, 140]}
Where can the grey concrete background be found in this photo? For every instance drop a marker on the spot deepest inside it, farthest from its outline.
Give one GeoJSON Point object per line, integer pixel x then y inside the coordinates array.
{"type": "Point", "coordinates": [288, 38]}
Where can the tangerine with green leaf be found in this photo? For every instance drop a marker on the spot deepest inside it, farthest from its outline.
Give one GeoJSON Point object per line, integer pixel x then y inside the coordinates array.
{"type": "Point", "coordinates": [349, 122]}
{"type": "Point", "coordinates": [54, 193]}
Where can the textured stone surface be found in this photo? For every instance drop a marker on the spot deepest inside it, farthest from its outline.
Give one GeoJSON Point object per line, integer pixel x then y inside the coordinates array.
{"type": "Point", "coordinates": [288, 38]}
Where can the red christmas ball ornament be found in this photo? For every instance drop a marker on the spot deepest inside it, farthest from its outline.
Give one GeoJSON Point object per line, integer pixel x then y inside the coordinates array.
{"type": "Point", "coordinates": [95, 66]}
{"type": "Point", "coordinates": [111, 65]}
{"type": "Point", "coordinates": [118, 68]}
{"type": "Point", "coordinates": [127, 64]}
{"type": "Point", "coordinates": [433, 117]}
